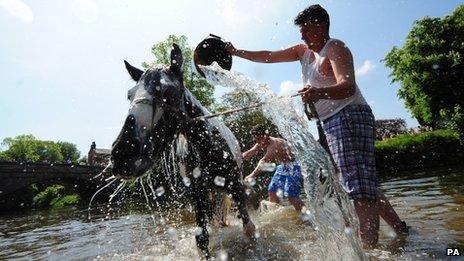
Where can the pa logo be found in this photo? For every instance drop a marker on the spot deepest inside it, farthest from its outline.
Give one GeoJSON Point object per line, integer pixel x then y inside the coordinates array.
{"type": "Point", "coordinates": [453, 252]}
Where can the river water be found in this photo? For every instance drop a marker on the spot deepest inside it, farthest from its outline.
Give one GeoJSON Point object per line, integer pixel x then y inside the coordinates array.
{"type": "Point", "coordinates": [431, 202]}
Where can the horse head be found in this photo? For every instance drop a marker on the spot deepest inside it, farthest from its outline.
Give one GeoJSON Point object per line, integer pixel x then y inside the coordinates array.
{"type": "Point", "coordinates": [153, 119]}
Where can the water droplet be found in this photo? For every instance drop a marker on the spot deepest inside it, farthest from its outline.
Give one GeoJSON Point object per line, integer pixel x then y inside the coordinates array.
{"type": "Point", "coordinates": [248, 192]}
{"type": "Point", "coordinates": [172, 233]}
{"type": "Point", "coordinates": [197, 231]}
{"type": "Point", "coordinates": [222, 255]}
{"type": "Point", "coordinates": [159, 191]}
{"type": "Point", "coordinates": [186, 181]}
{"type": "Point", "coordinates": [196, 172]}
{"type": "Point", "coordinates": [267, 167]}
{"type": "Point", "coordinates": [138, 162]}
{"type": "Point", "coordinates": [280, 193]}
{"type": "Point", "coordinates": [225, 154]}
{"type": "Point", "coordinates": [219, 181]}
{"type": "Point", "coordinates": [348, 231]}
{"type": "Point", "coordinates": [251, 181]}
{"type": "Point", "coordinates": [257, 234]}
{"type": "Point", "coordinates": [307, 215]}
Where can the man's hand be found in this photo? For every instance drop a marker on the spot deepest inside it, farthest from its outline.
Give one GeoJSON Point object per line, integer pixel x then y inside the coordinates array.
{"type": "Point", "coordinates": [230, 48]}
{"type": "Point", "coordinates": [309, 94]}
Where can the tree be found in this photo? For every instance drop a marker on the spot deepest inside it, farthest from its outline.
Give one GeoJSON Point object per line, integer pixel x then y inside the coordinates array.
{"type": "Point", "coordinates": [199, 87]}
{"type": "Point", "coordinates": [69, 152]}
{"type": "Point", "coordinates": [26, 148]}
{"type": "Point", "coordinates": [430, 69]}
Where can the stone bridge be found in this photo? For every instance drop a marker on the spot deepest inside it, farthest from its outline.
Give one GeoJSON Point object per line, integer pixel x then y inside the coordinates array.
{"type": "Point", "coordinates": [15, 176]}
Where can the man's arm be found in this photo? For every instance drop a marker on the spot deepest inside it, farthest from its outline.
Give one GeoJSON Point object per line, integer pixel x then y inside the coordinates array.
{"type": "Point", "coordinates": [287, 55]}
{"type": "Point", "coordinates": [341, 61]}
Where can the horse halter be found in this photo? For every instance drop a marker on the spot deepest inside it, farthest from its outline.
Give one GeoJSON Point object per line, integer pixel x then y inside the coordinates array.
{"type": "Point", "coordinates": [155, 102]}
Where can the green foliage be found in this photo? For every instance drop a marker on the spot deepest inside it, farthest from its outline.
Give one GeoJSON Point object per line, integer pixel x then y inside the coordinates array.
{"type": "Point", "coordinates": [69, 200]}
{"type": "Point", "coordinates": [430, 68]}
{"type": "Point", "coordinates": [456, 122]}
{"type": "Point", "coordinates": [409, 151]}
{"type": "Point", "coordinates": [26, 148]}
{"type": "Point", "coordinates": [199, 87]}
{"type": "Point", "coordinates": [54, 196]}
{"type": "Point", "coordinates": [69, 151]}
{"type": "Point", "coordinates": [51, 194]}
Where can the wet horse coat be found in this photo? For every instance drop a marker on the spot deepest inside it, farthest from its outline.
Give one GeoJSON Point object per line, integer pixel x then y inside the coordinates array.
{"type": "Point", "coordinates": [162, 112]}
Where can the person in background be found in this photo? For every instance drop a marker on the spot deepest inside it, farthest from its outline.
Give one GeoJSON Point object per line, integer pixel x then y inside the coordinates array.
{"type": "Point", "coordinates": [287, 177]}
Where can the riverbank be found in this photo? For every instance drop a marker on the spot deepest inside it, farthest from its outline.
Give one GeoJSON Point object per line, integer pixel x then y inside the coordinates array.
{"type": "Point", "coordinates": [435, 149]}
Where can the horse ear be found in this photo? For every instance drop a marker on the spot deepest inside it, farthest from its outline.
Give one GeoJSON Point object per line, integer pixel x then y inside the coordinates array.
{"type": "Point", "coordinates": [135, 73]}
{"type": "Point", "coordinates": [176, 60]}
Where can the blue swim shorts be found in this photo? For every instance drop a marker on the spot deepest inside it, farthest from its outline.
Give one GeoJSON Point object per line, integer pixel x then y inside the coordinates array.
{"type": "Point", "coordinates": [288, 178]}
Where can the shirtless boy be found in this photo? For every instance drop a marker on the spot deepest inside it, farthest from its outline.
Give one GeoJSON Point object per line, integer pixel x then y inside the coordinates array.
{"type": "Point", "coordinates": [287, 176]}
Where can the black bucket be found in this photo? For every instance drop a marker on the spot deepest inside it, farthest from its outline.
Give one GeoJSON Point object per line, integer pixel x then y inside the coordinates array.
{"type": "Point", "coordinates": [212, 49]}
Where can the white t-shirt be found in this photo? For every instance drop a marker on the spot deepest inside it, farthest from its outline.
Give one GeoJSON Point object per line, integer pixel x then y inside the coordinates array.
{"type": "Point", "coordinates": [312, 76]}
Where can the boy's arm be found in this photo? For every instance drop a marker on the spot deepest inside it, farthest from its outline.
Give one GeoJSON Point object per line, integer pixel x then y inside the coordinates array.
{"type": "Point", "coordinates": [267, 158]}
{"type": "Point", "coordinates": [290, 54]}
{"type": "Point", "coordinates": [252, 152]}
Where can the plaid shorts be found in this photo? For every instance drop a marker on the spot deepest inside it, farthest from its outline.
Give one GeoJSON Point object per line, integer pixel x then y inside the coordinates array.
{"type": "Point", "coordinates": [350, 135]}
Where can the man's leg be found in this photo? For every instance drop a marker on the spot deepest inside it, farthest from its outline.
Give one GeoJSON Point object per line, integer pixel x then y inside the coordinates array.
{"type": "Point", "coordinates": [368, 215]}
{"type": "Point", "coordinates": [390, 216]}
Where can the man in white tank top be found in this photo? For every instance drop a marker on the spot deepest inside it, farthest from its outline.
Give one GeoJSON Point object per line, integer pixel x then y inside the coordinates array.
{"type": "Point", "coordinates": [329, 79]}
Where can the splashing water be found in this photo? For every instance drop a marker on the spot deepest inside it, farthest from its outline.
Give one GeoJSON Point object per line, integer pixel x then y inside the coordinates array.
{"type": "Point", "coordinates": [332, 212]}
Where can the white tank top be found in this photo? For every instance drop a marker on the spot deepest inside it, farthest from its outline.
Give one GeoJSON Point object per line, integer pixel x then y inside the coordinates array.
{"type": "Point", "coordinates": [312, 76]}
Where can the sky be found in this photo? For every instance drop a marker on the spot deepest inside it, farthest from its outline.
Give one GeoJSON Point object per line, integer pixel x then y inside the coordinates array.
{"type": "Point", "coordinates": [62, 76]}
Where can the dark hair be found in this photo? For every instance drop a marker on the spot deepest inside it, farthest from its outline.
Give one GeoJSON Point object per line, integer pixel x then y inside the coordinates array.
{"type": "Point", "coordinates": [312, 14]}
{"type": "Point", "coordinates": [259, 130]}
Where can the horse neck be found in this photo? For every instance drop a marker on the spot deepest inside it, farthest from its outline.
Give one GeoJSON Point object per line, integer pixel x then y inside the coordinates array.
{"type": "Point", "coordinates": [192, 107]}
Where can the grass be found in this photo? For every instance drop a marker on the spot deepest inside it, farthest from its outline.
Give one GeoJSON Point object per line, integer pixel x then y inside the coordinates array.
{"type": "Point", "coordinates": [419, 151]}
